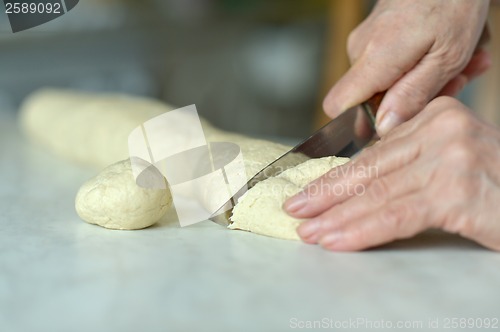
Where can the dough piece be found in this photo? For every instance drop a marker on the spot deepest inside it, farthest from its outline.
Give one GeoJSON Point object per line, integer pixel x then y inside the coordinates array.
{"type": "Point", "coordinates": [260, 211]}
{"type": "Point", "coordinates": [88, 128]}
{"type": "Point", "coordinates": [93, 129]}
{"type": "Point", "coordinates": [257, 153]}
{"type": "Point", "coordinates": [113, 200]}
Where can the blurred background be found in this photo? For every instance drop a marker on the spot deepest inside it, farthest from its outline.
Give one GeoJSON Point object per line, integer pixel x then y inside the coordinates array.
{"type": "Point", "coordinates": [259, 67]}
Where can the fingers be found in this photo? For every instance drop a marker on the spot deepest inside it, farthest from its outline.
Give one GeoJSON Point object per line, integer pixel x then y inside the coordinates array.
{"type": "Point", "coordinates": [478, 65]}
{"type": "Point", "coordinates": [379, 193]}
{"type": "Point", "coordinates": [396, 150]}
{"type": "Point", "coordinates": [399, 219]}
{"type": "Point", "coordinates": [380, 65]}
{"type": "Point", "coordinates": [344, 181]}
{"type": "Point", "coordinates": [415, 89]}
{"type": "Point", "coordinates": [453, 87]}
{"type": "Point", "coordinates": [412, 92]}
{"type": "Point", "coordinates": [485, 36]}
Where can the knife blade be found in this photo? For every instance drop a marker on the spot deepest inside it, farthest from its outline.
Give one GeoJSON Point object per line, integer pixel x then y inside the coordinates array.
{"type": "Point", "coordinates": [344, 136]}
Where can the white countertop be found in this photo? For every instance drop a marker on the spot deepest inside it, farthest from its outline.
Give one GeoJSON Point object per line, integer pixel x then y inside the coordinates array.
{"type": "Point", "coordinates": [58, 273]}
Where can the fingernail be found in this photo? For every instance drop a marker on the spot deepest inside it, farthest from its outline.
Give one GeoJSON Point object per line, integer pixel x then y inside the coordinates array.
{"type": "Point", "coordinates": [388, 122]}
{"type": "Point", "coordinates": [295, 203]}
{"type": "Point", "coordinates": [308, 228]}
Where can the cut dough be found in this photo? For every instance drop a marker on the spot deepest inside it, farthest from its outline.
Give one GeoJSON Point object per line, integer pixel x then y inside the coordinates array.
{"type": "Point", "coordinates": [93, 129]}
{"type": "Point", "coordinates": [113, 200]}
{"type": "Point", "coordinates": [260, 211]}
{"type": "Point", "coordinates": [256, 153]}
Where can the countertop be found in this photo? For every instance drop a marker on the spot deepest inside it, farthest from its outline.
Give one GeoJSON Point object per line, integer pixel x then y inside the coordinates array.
{"type": "Point", "coordinates": [58, 273]}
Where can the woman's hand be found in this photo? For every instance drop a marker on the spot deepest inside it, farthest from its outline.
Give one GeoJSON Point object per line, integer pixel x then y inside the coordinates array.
{"type": "Point", "coordinates": [439, 170]}
{"type": "Point", "coordinates": [416, 50]}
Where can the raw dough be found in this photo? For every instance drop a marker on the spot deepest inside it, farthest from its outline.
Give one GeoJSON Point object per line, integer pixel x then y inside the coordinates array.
{"type": "Point", "coordinates": [256, 153]}
{"type": "Point", "coordinates": [260, 209]}
{"type": "Point", "coordinates": [93, 129]}
{"type": "Point", "coordinates": [113, 200]}
{"type": "Point", "coordinates": [87, 128]}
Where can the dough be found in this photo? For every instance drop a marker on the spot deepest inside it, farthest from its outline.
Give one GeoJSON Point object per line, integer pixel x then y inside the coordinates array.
{"type": "Point", "coordinates": [256, 153]}
{"type": "Point", "coordinates": [87, 128]}
{"type": "Point", "coordinates": [113, 200]}
{"type": "Point", "coordinates": [260, 211]}
{"type": "Point", "coordinates": [93, 129]}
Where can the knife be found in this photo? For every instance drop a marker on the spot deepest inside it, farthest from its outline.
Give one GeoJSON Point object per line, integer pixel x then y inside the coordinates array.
{"type": "Point", "coordinates": [343, 136]}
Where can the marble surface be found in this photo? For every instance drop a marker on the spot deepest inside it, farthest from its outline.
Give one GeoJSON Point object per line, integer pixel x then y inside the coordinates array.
{"type": "Point", "coordinates": [58, 273]}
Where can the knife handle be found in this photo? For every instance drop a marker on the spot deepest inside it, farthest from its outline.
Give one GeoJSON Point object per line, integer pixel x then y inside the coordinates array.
{"type": "Point", "coordinates": [371, 106]}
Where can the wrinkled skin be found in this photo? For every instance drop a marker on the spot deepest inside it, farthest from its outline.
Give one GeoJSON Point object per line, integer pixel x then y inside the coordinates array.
{"type": "Point", "coordinates": [415, 50]}
{"type": "Point", "coordinates": [440, 169]}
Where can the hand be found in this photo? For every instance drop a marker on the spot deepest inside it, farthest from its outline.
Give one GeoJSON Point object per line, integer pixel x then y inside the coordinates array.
{"type": "Point", "coordinates": [439, 170]}
{"type": "Point", "coordinates": [416, 50]}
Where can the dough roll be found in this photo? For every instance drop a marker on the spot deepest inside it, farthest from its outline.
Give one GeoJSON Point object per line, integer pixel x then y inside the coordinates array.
{"type": "Point", "coordinates": [87, 128]}
{"type": "Point", "coordinates": [93, 129]}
